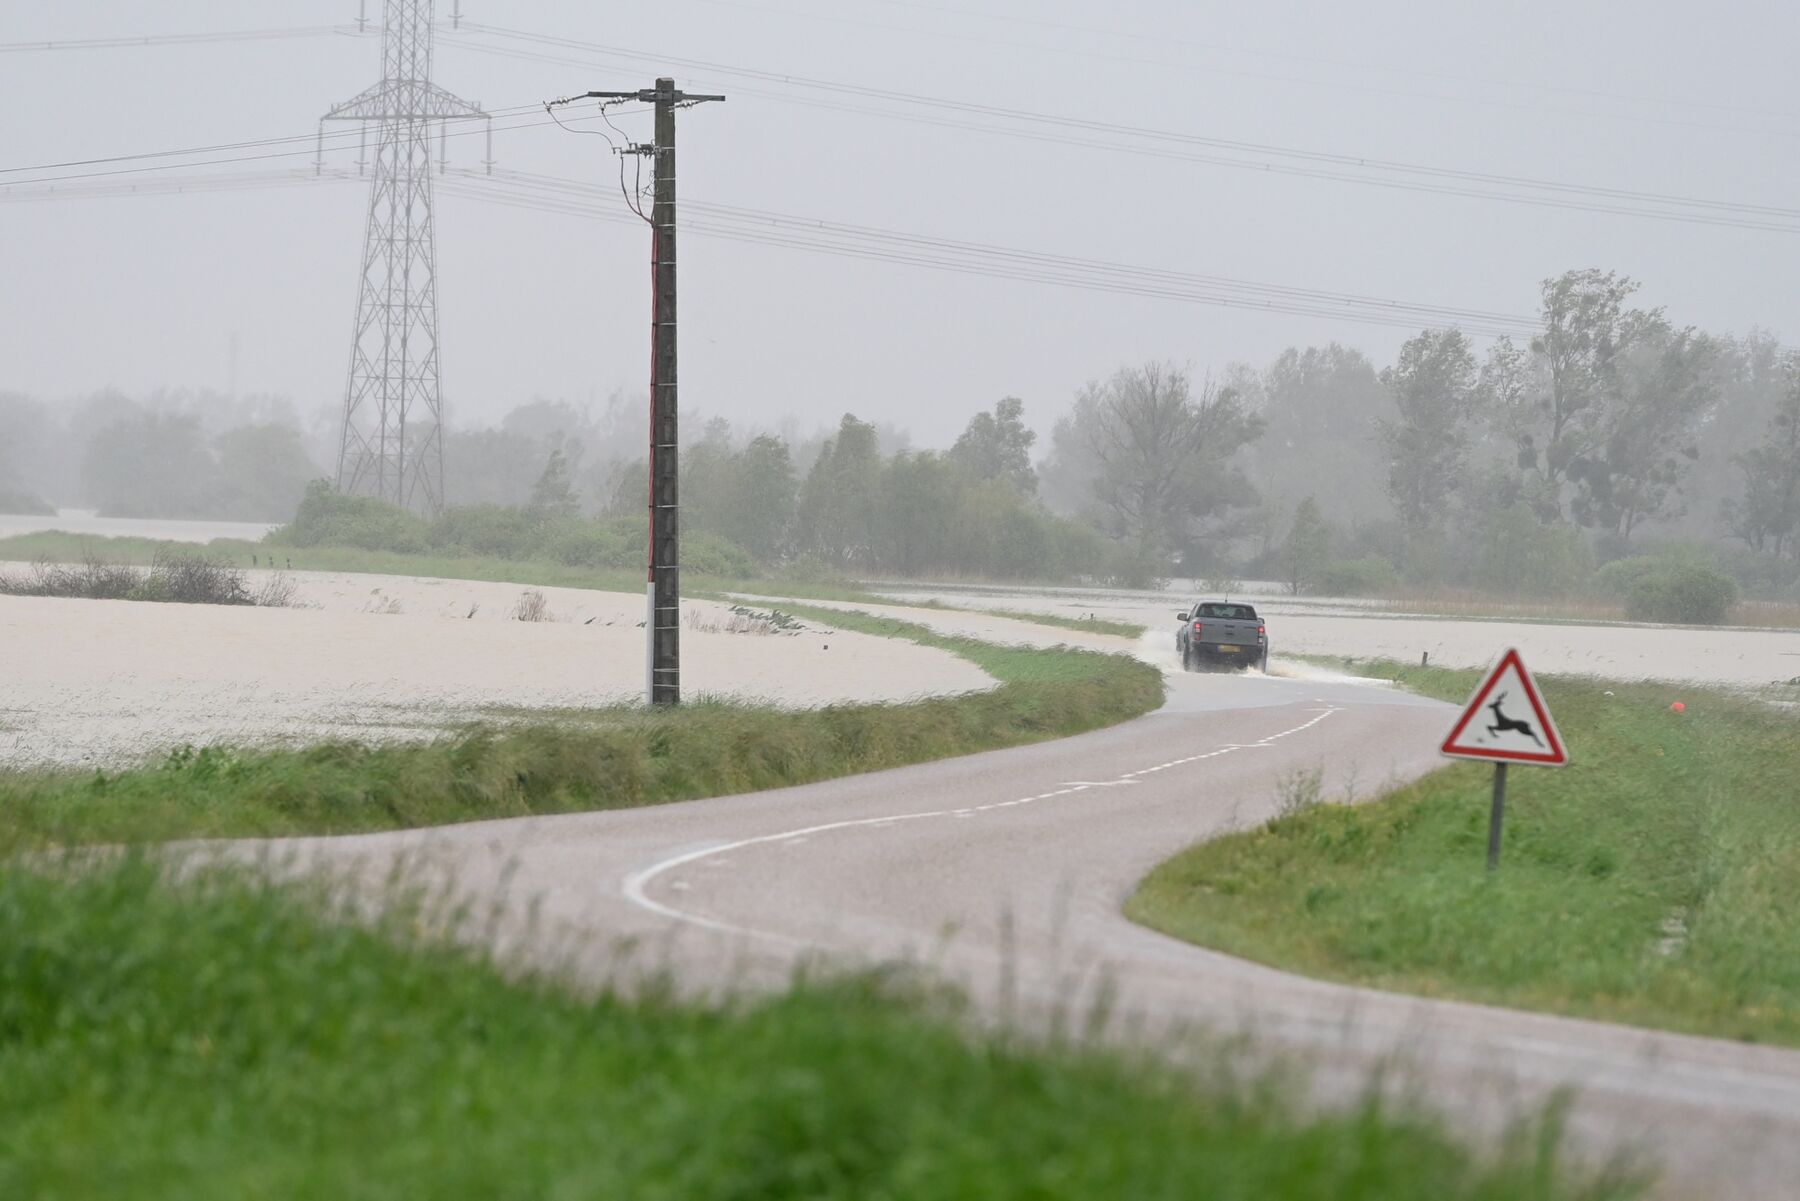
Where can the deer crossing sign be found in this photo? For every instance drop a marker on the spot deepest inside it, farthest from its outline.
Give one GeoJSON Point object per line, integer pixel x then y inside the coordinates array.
{"type": "Point", "coordinates": [1506, 721]}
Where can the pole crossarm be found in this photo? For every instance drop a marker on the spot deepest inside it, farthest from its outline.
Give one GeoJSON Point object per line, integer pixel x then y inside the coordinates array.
{"type": "Point", "coordinates": [405, 100]}
{"type": "Point", "coordinates": [643, 96]}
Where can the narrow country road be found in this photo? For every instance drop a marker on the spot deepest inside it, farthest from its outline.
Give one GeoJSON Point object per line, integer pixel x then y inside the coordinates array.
{"type": "Point", "coordinates": [1006, 872]}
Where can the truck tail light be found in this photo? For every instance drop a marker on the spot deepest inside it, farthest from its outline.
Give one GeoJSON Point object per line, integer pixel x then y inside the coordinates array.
{"type": "Point", "coordinates": [1196, 627]}
{"type": "Point", "coordinates": [1262, 631]}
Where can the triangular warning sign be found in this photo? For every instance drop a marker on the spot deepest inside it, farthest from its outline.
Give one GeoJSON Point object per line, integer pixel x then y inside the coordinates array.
{"type": "Point", "coordinates": [1506, 721]}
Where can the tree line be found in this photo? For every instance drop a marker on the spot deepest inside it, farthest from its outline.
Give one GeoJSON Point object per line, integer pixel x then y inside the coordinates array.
{"type": "Point", "coordinates": [1524, 467]}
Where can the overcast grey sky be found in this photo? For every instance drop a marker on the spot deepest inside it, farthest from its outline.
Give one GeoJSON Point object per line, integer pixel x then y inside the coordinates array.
{"type": "Point", "coordinates": [142, 292]}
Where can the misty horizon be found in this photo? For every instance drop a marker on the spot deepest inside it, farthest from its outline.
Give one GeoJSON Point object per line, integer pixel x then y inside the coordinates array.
{"type": "Point", "coordinates": [250, 291]}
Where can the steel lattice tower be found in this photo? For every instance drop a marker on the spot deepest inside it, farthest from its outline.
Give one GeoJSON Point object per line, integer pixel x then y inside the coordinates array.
{"type": "Point", "coordinates": [392, 443]}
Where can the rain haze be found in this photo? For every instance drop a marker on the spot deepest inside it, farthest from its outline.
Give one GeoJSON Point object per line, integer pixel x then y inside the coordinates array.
{"type": "Point", "coordinates": [153, 292]}
{"type": "Point", "coordinates": [1206, 602]}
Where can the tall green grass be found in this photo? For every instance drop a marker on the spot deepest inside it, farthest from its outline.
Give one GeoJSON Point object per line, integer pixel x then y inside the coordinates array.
{"type": "Point", "coordinates": [1652, 882]}
{"type": "Point", "coordinates": [578, 760]}
{"type": "Point", "coordinates": [220, 1039]}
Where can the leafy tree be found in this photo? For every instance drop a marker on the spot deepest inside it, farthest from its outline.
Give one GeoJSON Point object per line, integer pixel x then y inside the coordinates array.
{"type": "Point", "coordinates": [553, 496]}
{"type": "Point", "coordinates": [838, 499]}
{"type": "Point", "coordinates": [1321, 408]}
{"type": "Point", "coordinates": [760, 516]}
{"type": "Point", "coordinates": [1164, 455]}
{"type": "Point", "coordinates": [997, 445]}
{"type": "Point", "coordinates": [1666, 382]}
{"type": "Point", "coordinates": [24, 438]}
{"type": "Point", "coordinates": [262, 472]}
{"type": "Point", "coordinates": [149, 465]}
{"type": "Point", "coordinates": [1766, 515]}
{"type": "Point", "coordinates": [707, 478]}
{"type": "Point", "coordinates": [491, 467]}
{"type": "Point", "coordinates": [1433, 386]}
{"type": "Point", "coordinates": [1307, 550]}
{"type": "Point", "coordinates": [1753, 379]}
{"type": "Point", "coordinates": [1067, 474]}
{"type": "Point", "coordinates": [628, 489]}
{"type": "Point", "coordinates": [914, 518]}
{"type": "Point", "coordinates": [1556, 407]}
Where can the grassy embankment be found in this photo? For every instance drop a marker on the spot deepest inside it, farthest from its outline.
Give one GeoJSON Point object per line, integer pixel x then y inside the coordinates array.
{"type": "Point", "coordinates": [581, 760]}
{"type": "Point", "coordinates": [54, 546]}
{"type": "Point", "coordinates": [1651, 882]}
{"type": "Point", "coordinates": [221, 1039]}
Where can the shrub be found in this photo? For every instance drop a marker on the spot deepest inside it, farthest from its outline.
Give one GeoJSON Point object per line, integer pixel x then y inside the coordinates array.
{"type": "Point", "coordinates": [496, 530]}
{"type": "Point", "coordinates": [1681, 592]}
{"type": "Point", "coordinates": [1371, 575]}
{"type": "Point", "coordinates": [326, 518]}
{"type": "Point", "coordinates": [532, 605]}
{"type": "Point", "coordinates": [91, 579]}
{"type": "Point", "coordinates": [705, 553]}
{"type": "Point", "coordinates": [186, 579]}
{"type": "Point", "coordinates": [590, 544]}
{"type": "Point", "coordinates": [194, 580]}
{"type": "Point", "coordinates": [1520, 556]}
{"type": "Point", "coordinates": [1618, 578]}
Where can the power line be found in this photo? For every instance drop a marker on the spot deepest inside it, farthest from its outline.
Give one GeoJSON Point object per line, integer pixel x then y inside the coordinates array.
{"type": "Point", "coordinates": [178, 185]}
{"type": "Point", "coordinates": [183, 39]}
{"type": "Point", "coordinates": [814, 235]}
{"type": "Point", "coordinates": [1301, 162]}
{"type": "Point", "coordinates": [215, 148]}
{"type": "Point", "coordinates": [762, 227]}
{"type": "Point", "coordinates": [815, 224]}
{"type": "Point", "coordinates": [1177, 146]}
{"type": "Point", "coordinates": [311, 140]}
{"type": "Point", "coordinates": [1163, 39]}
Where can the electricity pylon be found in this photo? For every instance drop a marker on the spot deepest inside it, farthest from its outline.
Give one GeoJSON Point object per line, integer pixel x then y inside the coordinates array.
{"type": "Point", "coordinates": [393, 445]}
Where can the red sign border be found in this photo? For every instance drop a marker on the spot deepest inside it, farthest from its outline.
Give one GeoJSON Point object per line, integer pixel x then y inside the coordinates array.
{"type": "Point", "coordinates": [1558, 757]}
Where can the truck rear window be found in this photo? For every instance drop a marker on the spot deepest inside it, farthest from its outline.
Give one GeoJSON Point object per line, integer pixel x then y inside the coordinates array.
{"type": "Point", "coordinates": [1228, 612]}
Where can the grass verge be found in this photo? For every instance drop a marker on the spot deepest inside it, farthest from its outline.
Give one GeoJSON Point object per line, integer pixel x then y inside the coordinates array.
{"type": "Point", "coordinates": [1087, 625]}
{"type": "Point", "coordinates": [1651, 882]}
{"type": "Point", "coordinates": [219, 1039]}
{"type": "Point", "coordinates": [592, 759]}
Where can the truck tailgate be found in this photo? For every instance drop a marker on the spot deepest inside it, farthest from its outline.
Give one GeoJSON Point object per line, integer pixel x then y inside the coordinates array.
{"type": "Point", "coordinates": [1219, 631]}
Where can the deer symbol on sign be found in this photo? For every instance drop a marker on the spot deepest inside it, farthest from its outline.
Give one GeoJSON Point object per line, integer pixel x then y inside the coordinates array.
{"type": "Point", "coordinates": [1503, 723]}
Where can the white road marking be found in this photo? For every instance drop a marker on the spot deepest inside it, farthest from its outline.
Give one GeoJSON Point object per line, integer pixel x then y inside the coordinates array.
{"type": "Point", "coordinates": [635, 887]}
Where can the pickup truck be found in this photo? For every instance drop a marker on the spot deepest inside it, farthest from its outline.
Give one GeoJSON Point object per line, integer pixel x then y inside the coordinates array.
{"type": "Point", "coordinates": [1221, 632]}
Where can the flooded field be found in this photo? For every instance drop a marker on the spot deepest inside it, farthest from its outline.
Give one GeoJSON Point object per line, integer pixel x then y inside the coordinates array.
{"type": "Point", "coordinates": [380, 657]}
{"type": "Point", "coordinates": [1322, 626]}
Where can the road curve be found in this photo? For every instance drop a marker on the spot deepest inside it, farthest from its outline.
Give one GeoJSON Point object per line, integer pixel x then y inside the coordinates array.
{"type": "Point", "coordinates": [1006, 871]}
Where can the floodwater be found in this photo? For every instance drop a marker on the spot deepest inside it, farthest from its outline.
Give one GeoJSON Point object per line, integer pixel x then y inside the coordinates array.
{"type": "Point", "coordinates": [1679, 654]}
{"type": "Point", "coordinates": [85, 521]}
{"type": "Point", "coordinates": [381, 658]}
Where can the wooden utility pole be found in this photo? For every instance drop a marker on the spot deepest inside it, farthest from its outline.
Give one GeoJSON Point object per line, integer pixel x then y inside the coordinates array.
{"type": "Point", "coordinates": [662, 625]}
